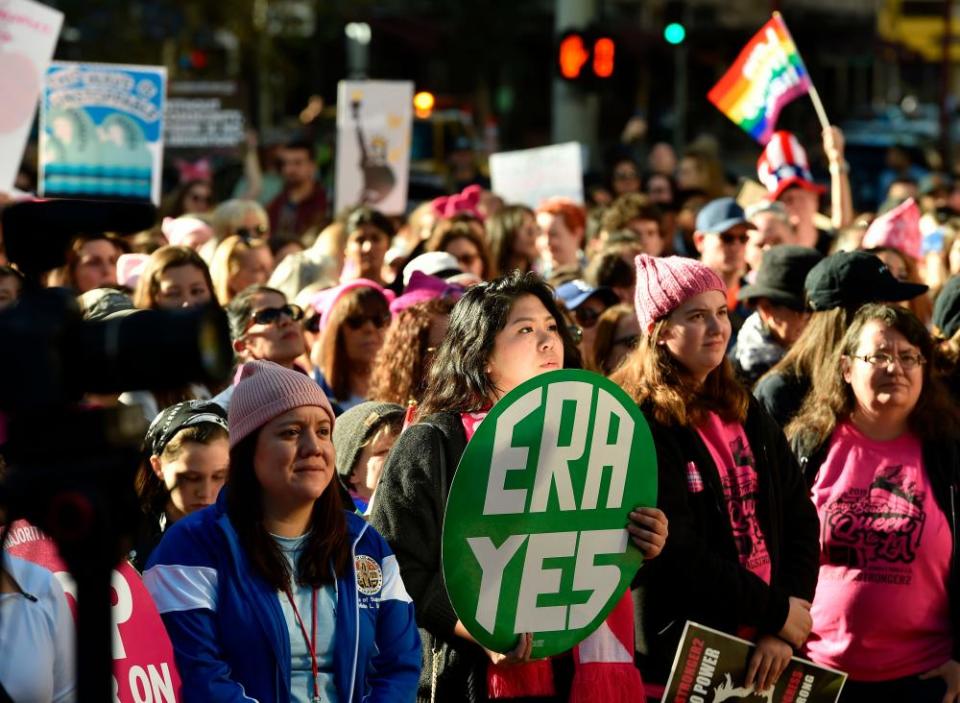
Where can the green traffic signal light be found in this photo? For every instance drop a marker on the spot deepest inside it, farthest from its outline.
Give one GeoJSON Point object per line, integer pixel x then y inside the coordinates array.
{"type": "Point", "coordinates": [674, 33]}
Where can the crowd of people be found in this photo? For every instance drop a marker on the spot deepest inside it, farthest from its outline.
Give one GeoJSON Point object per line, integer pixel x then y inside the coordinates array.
{"type": "Point", "coordinates": [800, 374]}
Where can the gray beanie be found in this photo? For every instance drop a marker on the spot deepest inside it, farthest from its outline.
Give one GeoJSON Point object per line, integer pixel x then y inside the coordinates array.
{"type": "Point", "coordinates": [355, 427]}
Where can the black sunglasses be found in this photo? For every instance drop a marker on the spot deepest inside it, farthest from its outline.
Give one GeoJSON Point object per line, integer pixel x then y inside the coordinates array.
{"type": "Point", "coordinates": [379, 320]}
{"type": "Point", "coordinates": [728, 238]}
{"type": "Point", "coordinates": [248, 233]}
{"type": "Point", "coordinates": [312, 324]}
{"type": "Point", "coordinates": [268, 316]}
{"type": "Point", "coordinates": [586, 317]}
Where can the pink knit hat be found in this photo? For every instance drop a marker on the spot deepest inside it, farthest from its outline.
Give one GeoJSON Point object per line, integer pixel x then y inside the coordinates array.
{"type": "Point", "coordinates": [265, 390]}
{"type": "Point", "coordinates": [899, 228]}
{"type": "Point", "coordinates": [665, 283]}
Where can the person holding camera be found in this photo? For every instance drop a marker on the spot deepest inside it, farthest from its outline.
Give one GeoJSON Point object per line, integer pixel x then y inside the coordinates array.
{"type": "Point", "coordinates": [276, 593]}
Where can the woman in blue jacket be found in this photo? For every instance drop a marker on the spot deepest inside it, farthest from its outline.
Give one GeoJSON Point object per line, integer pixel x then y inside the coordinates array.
{"type": "Point", "coordinates": [275, 593]}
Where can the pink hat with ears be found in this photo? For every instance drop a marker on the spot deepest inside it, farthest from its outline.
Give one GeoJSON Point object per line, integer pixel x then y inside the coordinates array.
{"type": "Point", "coordinates": [324, 301]}
{"type": "Point", "coordinates": [186, 231]}
{"type": "Point", "coordinates": [665, 283]}
{"type": "Point", "coordinates": [899, 229]}
{"type": "Point", "coordinates": [466, 201]}
{"type": "Point", "coordinates": [129, 268]}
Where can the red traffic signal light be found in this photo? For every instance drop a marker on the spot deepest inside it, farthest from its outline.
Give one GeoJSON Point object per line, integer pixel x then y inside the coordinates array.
{"type": "Point", "coordinates": [585, 55]}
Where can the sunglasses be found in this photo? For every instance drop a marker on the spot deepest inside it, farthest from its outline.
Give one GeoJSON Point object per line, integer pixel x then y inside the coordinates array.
{"type": "Point", "coordinates": [247, 233]}
{"type": "Point", "coordinates": [586, 317]}
{"type": "Point", "coordinates": [312, 324]}
{"type": "Point", "coordinates": [728, 238]}
{"type": "Point", "coordinates": [268, 316]}
{"type": "Point", "coordinates": [379, 320]}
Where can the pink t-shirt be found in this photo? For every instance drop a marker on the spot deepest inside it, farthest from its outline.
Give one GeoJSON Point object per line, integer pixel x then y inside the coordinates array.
{"type": "Point", "coordinates": [736, 467]}
{"type": "Point", "coordinates": [881, 610]}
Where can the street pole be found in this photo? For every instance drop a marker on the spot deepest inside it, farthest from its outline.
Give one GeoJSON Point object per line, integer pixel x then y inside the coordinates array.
{"type": "Point", "coordinates": [680, 98]}
{"type": "Point", "coordinates": [575, 112]}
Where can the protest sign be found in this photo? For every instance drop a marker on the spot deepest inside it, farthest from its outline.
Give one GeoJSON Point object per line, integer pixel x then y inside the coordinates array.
{"type": "Point", "coordinates": [530, 176]}
{"type": "Point", "coordinates": [374, 119]}
{"type": "Point", "coordinates": [204, 115]}
{"type": "Point", "coordinates": [711, 667]}
{"type": "Point", "coordinates": [143, 664]}
{"type": "Point", "coordinates": [28, 35]}
{"type": "Point", "coordinates": [534, 536]}
{"type": "Point", "coordinates": [101, 131]}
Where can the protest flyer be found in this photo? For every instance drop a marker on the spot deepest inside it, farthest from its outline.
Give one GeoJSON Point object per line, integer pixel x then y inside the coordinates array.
{"type": "Point", "coordinates": [534, 536]}
{"type": "Point", "coordinates": [711, 667]}
{"type": "Point", "coordinates": [143, 664]}
{"type": "Point", "coordinates": [530, 176]}
{"type": "Point", "coordinates": [101, 131]}
{"type": "Point", "coordinates": [374, 122]}
{"type": "Point", "coordinates": [28, 35]}
{"type": "Point", "coordinates": [205, 116]}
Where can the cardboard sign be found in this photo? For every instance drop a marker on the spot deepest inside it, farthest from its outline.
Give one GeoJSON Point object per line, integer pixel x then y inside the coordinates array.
{"type": "Point", "coordinates": [143, 664]}
{"type": "Point", "coordinates": [101, 131]}
{"type": "Point", "coordinates": [530, 176]}
{"type": "Point", "coordinates": [711, 666]}
{"type": "Point", "coordinates": [374, 120]}
{"type": "Point", "coordinates": [28, 35]}
{"type": "Point", "coordinates": [534, 536]}
{"type": "Point", "coordinates": [203, 115]}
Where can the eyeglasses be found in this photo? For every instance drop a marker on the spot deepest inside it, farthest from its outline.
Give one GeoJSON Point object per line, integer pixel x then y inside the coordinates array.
{"type": "Point", "coordinates": [312, 324]}
{"type": "Point", "coordinates": [628, 341]}
{"type": "Point", "coordinates": [379, 320]}
{"type": "Point", "coordinates": [728, 238]}
{"type": "Point", "coordinates": [907, 362]}
{"type": "Point", "coordinates": [586, 317]}
{"type": "Point", "coordinates": [575, 333]}
{"type": "Point", "coordinates": [268, 316]}
{"type": "Point", "coordinates": [247, 233]}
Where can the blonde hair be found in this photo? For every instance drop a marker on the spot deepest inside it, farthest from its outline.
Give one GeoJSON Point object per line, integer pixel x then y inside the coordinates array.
{"type": "Point", "coordinates": [230, 215]}
{"type": "Point", "coordinates": [226, 263]}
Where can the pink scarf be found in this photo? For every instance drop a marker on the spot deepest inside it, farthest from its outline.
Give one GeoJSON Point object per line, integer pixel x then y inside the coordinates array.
{"type": "Point", "coordinates": [604, 671]}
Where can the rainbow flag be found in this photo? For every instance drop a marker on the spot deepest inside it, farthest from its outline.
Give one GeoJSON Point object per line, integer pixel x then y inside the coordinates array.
{"type": "Point", "coordinates": [767, 75]}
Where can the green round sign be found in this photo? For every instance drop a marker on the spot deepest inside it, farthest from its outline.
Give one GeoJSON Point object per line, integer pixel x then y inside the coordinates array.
{"type": "Point", "coordinates": [534, 535]}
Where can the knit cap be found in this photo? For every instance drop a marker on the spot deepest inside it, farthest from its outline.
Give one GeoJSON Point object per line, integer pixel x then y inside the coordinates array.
{"type": "Point", "coordinates": [356, 426]}
{"type": "Point", "coordinates": [265, 390]}
{"type": "Point", "coordinates": [666, 282]}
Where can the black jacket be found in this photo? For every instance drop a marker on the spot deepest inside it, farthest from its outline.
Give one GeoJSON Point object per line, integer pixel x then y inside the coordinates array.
{"type": "Point", "coordinates": [941, 460]}
{"type": "Point", "coordinates": [698, 576]}
{"type": "Point", "coordinates": [781, 395]}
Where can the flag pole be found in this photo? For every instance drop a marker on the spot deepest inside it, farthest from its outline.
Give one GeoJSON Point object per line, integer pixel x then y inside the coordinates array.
{"type": "Point", "coordinates": [814, 95]}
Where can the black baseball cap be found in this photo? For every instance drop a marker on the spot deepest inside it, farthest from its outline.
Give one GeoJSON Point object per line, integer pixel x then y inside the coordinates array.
{"type": "Point", "coordinates": [849, 279]}
{"type": "Point", "coordinates": [781, 276]}
{"type": "Point", "coordinates": [179, 416]}
{"type": "Point", "coordinates": [946, 310]}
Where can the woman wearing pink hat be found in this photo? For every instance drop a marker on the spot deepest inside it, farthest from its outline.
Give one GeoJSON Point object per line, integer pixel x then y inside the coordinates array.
{"type": "Point", "coordinates": [743, 548]}
{"type": "Point", "coordinates": [276, 593]}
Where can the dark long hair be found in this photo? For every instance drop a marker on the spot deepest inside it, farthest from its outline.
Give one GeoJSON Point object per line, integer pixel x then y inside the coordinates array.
{"type": "Point", "coordinates": [457, 381]}
{"type": "Point", "coordinates": [327, 541]}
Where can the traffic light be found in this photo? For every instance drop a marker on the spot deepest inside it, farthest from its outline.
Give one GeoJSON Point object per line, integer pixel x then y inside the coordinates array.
{"type": "Point", "coordinates": [674, 33]}
{"type": "Point", "coordinates": [586, 55]}
{"type": "Point", "coordinates": [674, 26]}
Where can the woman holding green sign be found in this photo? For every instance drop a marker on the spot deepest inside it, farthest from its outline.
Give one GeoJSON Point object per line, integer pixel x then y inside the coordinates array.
{"type": "Point", "coordinates": [501, 334]}
{"type": "Point", "coordinates": [744, 543]}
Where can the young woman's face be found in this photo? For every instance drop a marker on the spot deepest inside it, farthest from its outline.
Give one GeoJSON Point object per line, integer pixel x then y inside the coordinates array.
{"type": "Point", "coordinates": [195, 477]}
{"type": "Point", "coordinates": [280, 341]}
{"type": "Point", "coordinates": [365, 251]}
{"type": "Point", "coordinates": [697, 333]}
{"type": "Point", "coordinates": [467, 255]}
{"type": "Point", "coordinates": [880, 387]}
{"type": "Point", "coordinates": [96, 265]}
{"type": "Point", "coordinates": [254, 267]}
{"type": "Point", "coordinates": [182, 287]}
{"type": "Point", "coordinates": [373, 455]}
{"type": "Point", "coordinates": [525, 240]}
{"type": "Point", "coordinates": [363, 334]}
{"type": "Point", "coordinates": [198, 199]}
{"type": "Point", "coordinates": [528, 345]}
{"type": "Point", "coordinates": [294, 459]}
{"type": "Point", "coordinates": [556, 243]}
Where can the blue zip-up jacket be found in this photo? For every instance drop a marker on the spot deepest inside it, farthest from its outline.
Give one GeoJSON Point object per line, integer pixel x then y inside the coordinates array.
{"type": "Point", "coordinates": [229, 635]}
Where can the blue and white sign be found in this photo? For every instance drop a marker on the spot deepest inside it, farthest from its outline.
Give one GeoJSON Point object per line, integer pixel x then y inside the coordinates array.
{"type": "Point", "coordinates": [101, 131]}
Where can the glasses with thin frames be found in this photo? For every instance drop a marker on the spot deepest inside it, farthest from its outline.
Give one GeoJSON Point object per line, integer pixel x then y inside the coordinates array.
{"type": "Point", "coordinates": [907, 362]}
{"type": "Point", "coordinates": [379, 320]}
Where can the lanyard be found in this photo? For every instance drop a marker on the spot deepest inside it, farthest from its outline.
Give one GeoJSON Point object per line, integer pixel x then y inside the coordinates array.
{"type": "Point", "coordinates": [311, 643]}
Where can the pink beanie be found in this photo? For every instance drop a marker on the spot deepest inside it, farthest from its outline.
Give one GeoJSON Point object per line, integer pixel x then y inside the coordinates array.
{"type": "Point", "coordinates": [665, 283]}
{"type": "Point", "coordinates": [324, 301]}
{"type": "Point", "coordinates": [265, 390]}
{"type": "Point", "coordinates": [899, 228]}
